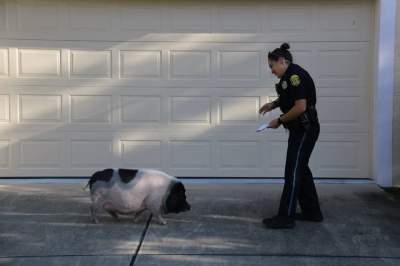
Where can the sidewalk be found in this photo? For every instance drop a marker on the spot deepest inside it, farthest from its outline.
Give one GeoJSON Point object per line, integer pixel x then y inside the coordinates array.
{"type": "Point", "coordinates": [48, 224]}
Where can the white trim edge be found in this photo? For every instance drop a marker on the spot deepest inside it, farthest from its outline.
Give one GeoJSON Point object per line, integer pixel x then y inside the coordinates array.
{"type": "Point", "coordinates": [383, 93]}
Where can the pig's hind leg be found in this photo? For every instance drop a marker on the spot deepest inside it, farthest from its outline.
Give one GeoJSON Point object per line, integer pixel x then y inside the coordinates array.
{"type": "Point", "coordinates": [137, 214]}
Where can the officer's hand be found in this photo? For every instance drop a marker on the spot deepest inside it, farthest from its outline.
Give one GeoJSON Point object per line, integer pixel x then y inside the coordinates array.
{"type": "Point", "coordinates": [266, 108]}
{"type": "Point", "coordinates": [274, 123]}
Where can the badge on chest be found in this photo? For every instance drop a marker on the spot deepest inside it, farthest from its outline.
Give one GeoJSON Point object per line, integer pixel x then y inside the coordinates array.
{"type": "Point", "coordinates": [284, 85]}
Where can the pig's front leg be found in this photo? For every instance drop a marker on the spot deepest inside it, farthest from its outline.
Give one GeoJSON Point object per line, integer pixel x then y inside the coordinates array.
{"type": "Point", "coordinates": [159, 219]}
{"type": "Point", "coordinates": [137, 215]}
{"type": "Point", "coordinates": [154, 207]}
{"type": "Point", "coordinates": [113, 214]}
{"type": "Point", "coordinates": [93, 210]}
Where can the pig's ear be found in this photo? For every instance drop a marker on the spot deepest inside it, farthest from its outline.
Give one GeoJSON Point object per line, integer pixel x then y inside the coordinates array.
{"type": "Point", "coordinates": [127, 175]}
{"type": "Point", "coordinates": [104, 175]}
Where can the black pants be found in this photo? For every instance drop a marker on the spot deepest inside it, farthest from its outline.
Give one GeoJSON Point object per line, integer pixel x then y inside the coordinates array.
{"type": "Point", "coordinates": [299, 183]}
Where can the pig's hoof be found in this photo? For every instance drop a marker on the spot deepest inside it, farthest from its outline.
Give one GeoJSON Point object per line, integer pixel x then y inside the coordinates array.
{"type": "Point", "coordinates": [161, 221]}
{"type": "Point", "coordinates": [113, 215]}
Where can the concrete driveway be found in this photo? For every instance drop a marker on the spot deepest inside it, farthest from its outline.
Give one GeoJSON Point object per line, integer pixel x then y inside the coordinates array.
{"type": "Point", "coordinates": [48, 224]}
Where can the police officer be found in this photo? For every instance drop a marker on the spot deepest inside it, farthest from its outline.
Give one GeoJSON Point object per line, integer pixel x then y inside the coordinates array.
{"type": "Point", "coordinates": [297, 99]}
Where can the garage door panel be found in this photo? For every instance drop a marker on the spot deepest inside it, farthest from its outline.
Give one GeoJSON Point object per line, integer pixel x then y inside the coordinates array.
{"type": "Point", "coordinates": [40, 108]}
{"type": "Point", "coordinates": [39, 63]}
{"type": "Point", "coordinates": [89, 16]}
{"type": "Point", "coordinates": [240, 64]}
{"type": "Point", "coordinates": [238, 110]}
{"type": "Point", "coordinates": [343, 65]}
{"type": "Point", "coordinates": [290, 17]}
{"type": "Point", "coordinates": [140, 17]}
{"type": "Point", "coordinates": [239, 18]}
{"type": "Point", "coordinates": [339, 156]}
{"type": "Point", "coordinates": [239, 154]}
{"type": "Point", "coordinates": [190, 154]}
{"type": "Point", "coordinates": [39, 153]}
{"type": "Point", "coordinates": [90, 64]}
{"type": "Point", "coordinates": [343, 114]}
{"type": "Point", "coordinates": [339, 64]}
{"type": "Point", "coordinates": [139, 64]}
{"type": "Point", "coordinates": [141, 153]}
{"type": "Point", "coordinates": [190, 64]}
{"type": "Point", "coordinates": [40, 15]}
{"type": "Point", "coordinates": [91, 153]}
{"type": "Point", "coordinates": [140, 109]}
{"type": "Point", "coordinates": [91, 108]}
{"type": "Point", "coordinates": [344, 16]}
{"type": "Point", "coordinates": [193, 110]}
{"type": "Point", "coordinates": [189, 17]}
{"type": "Point", "coordinates": [336, 158]}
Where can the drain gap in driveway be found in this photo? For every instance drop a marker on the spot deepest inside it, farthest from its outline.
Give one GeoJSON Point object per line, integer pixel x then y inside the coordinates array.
{"type": "Point", "coordinates": [141, 241]}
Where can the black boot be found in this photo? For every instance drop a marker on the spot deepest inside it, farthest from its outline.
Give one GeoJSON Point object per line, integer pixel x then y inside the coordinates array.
{"type": "Point", "coordinates": [279, 222]}
{"type": "Point", "coordinates": [317, 218]}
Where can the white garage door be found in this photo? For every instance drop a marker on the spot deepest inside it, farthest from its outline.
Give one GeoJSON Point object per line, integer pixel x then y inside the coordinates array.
{"type": "Point", "coordinates": [176, 85]}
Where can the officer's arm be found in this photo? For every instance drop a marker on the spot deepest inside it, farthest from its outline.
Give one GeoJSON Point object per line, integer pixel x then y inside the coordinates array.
{"type": "Point", "coordinates": [298, 108]}
{"type": "Point", "coordinates": [275, 104]}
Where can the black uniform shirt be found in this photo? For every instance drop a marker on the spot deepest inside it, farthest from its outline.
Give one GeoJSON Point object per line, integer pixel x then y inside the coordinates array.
{"type": "Point", "coordinates": [294, 85]}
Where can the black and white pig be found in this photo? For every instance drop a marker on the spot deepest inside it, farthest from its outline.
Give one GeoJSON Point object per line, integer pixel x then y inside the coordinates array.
{"type": "Point", "coordinates": [132, 191]}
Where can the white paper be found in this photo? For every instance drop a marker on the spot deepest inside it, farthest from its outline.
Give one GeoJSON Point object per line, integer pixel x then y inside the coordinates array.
{"type": "Point", "coordinates": [262, 127]}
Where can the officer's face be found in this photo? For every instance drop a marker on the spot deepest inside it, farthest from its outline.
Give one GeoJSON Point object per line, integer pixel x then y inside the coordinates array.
{"type": "Point", "coordinates": [278, 67]}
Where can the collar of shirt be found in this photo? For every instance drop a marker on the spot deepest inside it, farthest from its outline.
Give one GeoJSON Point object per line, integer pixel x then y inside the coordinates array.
{"type": "Point", "coordinates": [288, 72]}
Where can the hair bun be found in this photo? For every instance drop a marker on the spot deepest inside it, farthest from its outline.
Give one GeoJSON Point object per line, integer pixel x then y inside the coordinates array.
{"type": "Point", "coordinates": [285, 46]}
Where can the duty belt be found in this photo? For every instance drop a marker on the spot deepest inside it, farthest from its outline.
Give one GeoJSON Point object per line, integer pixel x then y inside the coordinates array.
{"type": "Point", "coordinates": [305, 120]}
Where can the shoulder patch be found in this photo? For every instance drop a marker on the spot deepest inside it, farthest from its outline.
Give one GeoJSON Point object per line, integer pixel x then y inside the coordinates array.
{"type": "Point", "coordinates": [104, 175]}
{"type": "Point", "coordinates": [295, 80]}
{"type": "Point", "coordinates": [127, 175]}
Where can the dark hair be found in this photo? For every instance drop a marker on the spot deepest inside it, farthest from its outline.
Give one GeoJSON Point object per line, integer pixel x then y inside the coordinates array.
{"type": "Point", "coordinates": [282, 51]}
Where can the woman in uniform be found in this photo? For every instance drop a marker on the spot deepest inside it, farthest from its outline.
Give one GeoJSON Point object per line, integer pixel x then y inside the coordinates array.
{"type": "Point", "coordinates": [297, 99]}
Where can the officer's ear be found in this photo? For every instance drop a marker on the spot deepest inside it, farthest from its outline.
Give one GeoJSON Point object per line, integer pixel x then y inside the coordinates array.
{"type": "Point", "coordinates": [281, 61]}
